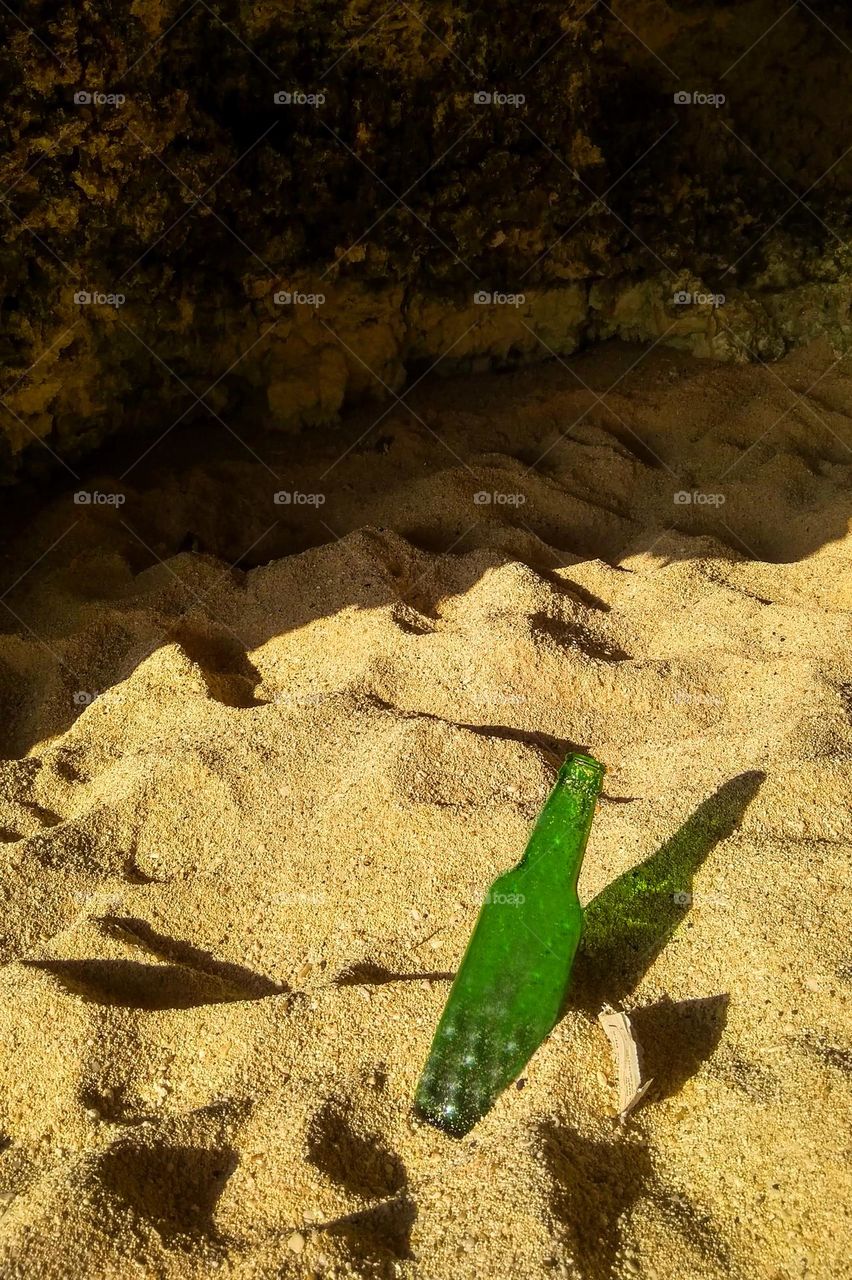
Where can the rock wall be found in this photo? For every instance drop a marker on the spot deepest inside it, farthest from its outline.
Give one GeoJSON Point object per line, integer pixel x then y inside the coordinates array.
{"type": "Point", "coordinates": [252, 210]}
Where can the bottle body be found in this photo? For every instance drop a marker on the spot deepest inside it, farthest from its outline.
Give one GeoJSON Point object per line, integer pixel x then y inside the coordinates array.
{"type": "Point", "coordinates": [511, 983]}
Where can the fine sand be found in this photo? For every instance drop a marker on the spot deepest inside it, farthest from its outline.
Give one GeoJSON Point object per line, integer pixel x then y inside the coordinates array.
{"type": "Point", "coordinates": [261, 761]}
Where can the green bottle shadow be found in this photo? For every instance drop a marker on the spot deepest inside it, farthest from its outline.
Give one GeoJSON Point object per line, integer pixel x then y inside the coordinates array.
{"type": "Point", "coordinates": [631, 920]}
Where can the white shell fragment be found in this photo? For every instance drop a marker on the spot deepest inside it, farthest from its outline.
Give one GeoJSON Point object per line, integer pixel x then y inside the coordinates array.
{"type": "Point", "coordinates": [628, 1060]}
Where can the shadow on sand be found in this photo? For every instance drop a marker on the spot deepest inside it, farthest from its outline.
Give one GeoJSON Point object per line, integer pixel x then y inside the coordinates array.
{"type": "Point", "coordinates": [631, 920]}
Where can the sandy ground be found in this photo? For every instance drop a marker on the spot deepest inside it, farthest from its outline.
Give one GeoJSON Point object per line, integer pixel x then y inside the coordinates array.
{"type": "Point", "coordinates": [248, 811]}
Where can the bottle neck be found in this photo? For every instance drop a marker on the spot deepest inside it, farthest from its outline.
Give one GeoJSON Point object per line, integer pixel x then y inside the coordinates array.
{"type": "Point", "coordinates": [555, 850]}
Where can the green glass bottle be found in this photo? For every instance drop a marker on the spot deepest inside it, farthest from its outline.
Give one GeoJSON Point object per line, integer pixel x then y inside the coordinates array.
{"type": "Point", "coordinates": [510, 987]}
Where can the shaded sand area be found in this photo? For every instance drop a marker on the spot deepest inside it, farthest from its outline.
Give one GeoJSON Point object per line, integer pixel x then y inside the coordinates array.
{"type": "Point", "coordinates": [238, 880]}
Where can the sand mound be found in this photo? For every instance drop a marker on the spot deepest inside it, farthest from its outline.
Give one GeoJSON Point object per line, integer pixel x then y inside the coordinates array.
{"type": "Point", "coordinates": [248, 814]}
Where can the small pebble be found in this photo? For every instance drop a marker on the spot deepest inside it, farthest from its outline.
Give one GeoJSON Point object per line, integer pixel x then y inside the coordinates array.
{"type": "Point", "coordinates": [296, 1242]}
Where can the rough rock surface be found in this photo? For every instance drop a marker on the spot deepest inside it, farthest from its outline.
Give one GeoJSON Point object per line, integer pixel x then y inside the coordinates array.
{"type": "Point", "coordinates": [147, 157]}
